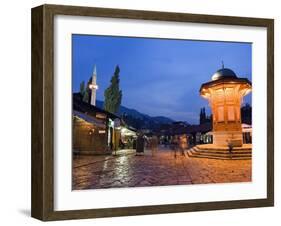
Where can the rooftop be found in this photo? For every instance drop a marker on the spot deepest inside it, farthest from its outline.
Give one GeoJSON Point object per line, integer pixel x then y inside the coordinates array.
{"type": "Point", "coordinates": [224, 73]}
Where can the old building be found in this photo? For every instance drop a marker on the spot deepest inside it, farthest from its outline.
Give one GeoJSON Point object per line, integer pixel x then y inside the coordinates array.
{"type": "Point", "coordinates": [225, 95]}
{"type": "Point", "coordinates": [94, 129]}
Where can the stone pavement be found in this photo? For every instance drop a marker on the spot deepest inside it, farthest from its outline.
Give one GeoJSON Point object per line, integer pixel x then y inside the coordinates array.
{"type": "Point", "coordinates": [127, 170]}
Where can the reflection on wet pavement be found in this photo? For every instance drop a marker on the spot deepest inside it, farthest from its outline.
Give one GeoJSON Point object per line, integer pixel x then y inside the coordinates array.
{"type": "Point", "coordinates": [127, 170]}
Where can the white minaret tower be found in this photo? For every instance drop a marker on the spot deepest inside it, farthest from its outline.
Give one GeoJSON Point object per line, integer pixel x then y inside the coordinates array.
{"type": "Point", "coordinates": [93, 86]}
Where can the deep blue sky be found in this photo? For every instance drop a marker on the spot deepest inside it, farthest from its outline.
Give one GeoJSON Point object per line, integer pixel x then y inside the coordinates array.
{"type": "Point", "coordinates": [158, 77]}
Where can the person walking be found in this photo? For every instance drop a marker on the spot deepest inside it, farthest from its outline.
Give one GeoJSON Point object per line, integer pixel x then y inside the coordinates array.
{"type": "Point", "coordinates": [175, 145]}
{"type": "Point", "coordinates": [140, 144]}
{"type": "Point", "coordinates": [154, 145]}
{"type": "Point", "coordinates": [230, 148]}
{"type": "Point", "coordinates": [182, 143]}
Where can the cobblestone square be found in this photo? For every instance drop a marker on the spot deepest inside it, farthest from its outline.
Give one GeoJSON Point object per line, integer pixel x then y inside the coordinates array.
{"type": "Point", "coordinates": [125, 169]}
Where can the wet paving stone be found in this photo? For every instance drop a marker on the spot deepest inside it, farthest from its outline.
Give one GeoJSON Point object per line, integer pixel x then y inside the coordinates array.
{"type": "Point", "coordinates": [127, 170]}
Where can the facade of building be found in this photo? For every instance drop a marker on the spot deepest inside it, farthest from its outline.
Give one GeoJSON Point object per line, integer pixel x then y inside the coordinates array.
{"type": "Point", "coordinates": [247, 133]}
{"type": "Point", "coordinates": [94, 130]}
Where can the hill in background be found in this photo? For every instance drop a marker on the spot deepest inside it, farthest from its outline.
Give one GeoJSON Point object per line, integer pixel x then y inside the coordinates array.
{"type": "Point", "coordinates": [139, 120]}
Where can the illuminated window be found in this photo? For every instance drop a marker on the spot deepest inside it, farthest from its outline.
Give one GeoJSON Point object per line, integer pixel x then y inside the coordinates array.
{"type": "Point", "coordinates": [219, 95]}
{"type": "Point", "coordinates": [220, 114]}
{"type": "Point", "coordinates": [238, 112]}
{"type": "Point", "coordinates": [231, 113]}
{"type": "Point", "coordinates": [229, 94]}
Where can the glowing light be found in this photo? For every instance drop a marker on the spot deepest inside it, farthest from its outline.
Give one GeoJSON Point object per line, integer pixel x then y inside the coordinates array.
{"type": "Point", "coordinates": [91, 131]}
{"type": "Point", "coordinates": [225, 98]}
{"type": "Point", "coordinates": [127, 132]}
{"type": "Point", "coordinates": [92, 86]}
{"type": "Point", "coordinates": [111, 123]}
{"type": "Point", "coordinates": [206, 95]}
{"type": "Point", "coordinates": [247, 91]}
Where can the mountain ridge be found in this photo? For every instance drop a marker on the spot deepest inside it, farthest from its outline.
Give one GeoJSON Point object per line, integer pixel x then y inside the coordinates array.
{"type": "Point", "coordinates": [138, 119]}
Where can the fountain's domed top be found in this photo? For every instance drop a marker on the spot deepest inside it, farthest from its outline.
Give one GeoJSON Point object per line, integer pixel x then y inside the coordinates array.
{"type": "Point", "coordinates": [224, 73]}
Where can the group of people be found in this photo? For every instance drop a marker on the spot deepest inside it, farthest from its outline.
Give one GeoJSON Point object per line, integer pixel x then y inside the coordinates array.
{"type": "Point", "coordinates": [152, 143]}
{"type": "Point", "coordinates": [179, 144]}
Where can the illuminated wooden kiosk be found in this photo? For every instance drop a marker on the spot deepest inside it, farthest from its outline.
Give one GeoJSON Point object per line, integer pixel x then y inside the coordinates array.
{"type": "Point", "coordinates": [225, 94]}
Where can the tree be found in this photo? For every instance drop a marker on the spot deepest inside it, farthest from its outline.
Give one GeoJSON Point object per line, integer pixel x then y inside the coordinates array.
{"type": "Point", "coordinates": [82, 88]}
{"type": "Point", "coordinates": [113, 95]}
{"type": "Point", "coordinates": [86, 95]}
{"type": "Point", "coordinates": [84, 92]}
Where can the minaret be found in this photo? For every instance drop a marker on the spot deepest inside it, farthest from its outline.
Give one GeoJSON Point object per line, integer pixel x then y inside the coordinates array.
{"type": "Point", "coordinates": [93, 86]}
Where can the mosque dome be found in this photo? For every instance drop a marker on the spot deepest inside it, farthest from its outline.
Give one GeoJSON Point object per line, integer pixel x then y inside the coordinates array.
{"type": "Point", "coordinates": [224, 73]}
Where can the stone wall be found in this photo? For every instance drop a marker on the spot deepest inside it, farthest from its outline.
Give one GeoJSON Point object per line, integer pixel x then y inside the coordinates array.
{"type": "Point", "coordinates": [221, 138]}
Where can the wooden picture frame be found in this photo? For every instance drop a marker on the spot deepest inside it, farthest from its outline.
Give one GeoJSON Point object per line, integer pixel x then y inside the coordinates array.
{"type": "Point", "coordinates": [43, 112]}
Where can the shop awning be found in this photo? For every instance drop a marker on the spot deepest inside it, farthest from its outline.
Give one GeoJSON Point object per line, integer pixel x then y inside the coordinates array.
{"type": "Point", "coordinates": [89, 119]}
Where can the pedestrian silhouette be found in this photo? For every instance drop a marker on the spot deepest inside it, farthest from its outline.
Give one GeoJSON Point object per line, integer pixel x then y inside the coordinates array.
{"type": "Point", "coordinates": [140, 144]}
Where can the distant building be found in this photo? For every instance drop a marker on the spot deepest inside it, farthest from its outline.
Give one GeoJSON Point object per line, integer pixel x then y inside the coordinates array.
{"type": "Point", "coordinates": [196, 134]}
{"type": "Point", "coordinates": [247, 133]}
{"type": "Point", "coordinates": [246, 114]}
{"type": "Point", "coordinates": [93, 128]}
{"type": "Point", "coordinates": [203, 118]}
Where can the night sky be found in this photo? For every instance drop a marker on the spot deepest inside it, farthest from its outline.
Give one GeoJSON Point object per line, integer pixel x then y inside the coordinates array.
{"type": "Point", "coordinates": [158, 77]}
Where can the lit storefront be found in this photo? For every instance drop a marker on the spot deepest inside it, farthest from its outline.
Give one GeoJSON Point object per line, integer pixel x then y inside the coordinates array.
{"type": "Point", "coordinates": [93, 129]}
{"type": "Point", "coordinates": [96, 131]}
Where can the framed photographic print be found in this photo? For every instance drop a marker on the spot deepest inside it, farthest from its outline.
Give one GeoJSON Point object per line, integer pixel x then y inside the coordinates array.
{"type": "Point", "coordinates": [141, 112]}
